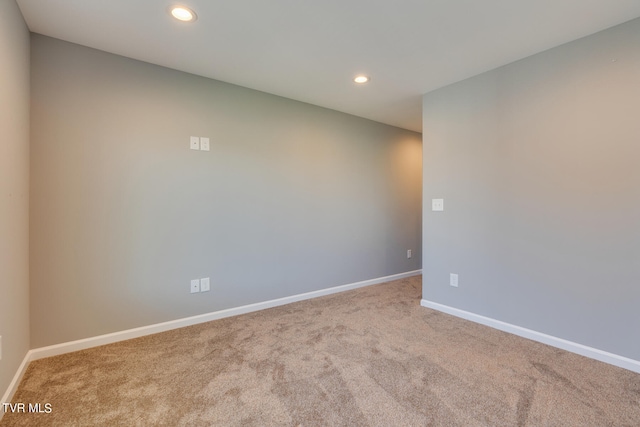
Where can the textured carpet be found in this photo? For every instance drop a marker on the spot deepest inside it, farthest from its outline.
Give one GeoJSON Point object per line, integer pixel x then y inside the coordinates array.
{"type": "Point", "coordinates": [368, 357]}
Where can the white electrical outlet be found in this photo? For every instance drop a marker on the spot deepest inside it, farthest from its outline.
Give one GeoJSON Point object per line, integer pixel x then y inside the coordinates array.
{"type": "Point", "coordinates": [204, 143]}
{"type": "Point", "coordinates": [409, 254]}
{"type": "Point", "coordinates": [453, 280]}
{"type": "Point", "coordinates": [194, 143]}
{"type": "Point", "coordinates": [205, 285]}
{"type": "Point", "coordinates": [195, 286]}
{"type": "Point", "coordinates": [437, 204]}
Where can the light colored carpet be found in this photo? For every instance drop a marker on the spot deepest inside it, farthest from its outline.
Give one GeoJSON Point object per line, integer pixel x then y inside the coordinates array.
{"type": "Point", "coordinates": [368, 357]}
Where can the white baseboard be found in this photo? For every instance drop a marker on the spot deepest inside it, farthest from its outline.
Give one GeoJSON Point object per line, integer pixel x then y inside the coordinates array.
{"type": "Point", "coordinates": [13, 385]}
{"type": "Point", "coordinates": [583, 350]}
{"type": "Point", "coordinates": [68, 347]}
{"type": "Point", "coordinates": [54, 350]}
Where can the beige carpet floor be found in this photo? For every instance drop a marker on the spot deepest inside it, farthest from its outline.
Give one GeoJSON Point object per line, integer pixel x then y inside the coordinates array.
{"type": "Point", "coordinates": [368, 357]}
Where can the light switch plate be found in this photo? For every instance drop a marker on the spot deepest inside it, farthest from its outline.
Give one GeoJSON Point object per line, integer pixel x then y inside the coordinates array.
{"type": "Point", "coordinates": [195, 286]}
{"type": "Point", "coordinates": [437, 204]}
{"type": "Point", "coordinates": [194, 143]}
{"type": "Point", "coordinates": [204, 143]}
{"type": "Point", "coordinates": [205, 285]}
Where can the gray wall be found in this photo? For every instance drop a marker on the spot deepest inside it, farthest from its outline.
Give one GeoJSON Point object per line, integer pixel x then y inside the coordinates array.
{"type": "Point", "coordinates": [538, 164]}
{"type": "Point", "coordinates": [14, 190]}
{"type": "Point", "coordinates": [291, 198]}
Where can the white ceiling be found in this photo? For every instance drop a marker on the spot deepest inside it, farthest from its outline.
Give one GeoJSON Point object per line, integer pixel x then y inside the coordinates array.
{"type": "Point", "coordinates": [310, 50]}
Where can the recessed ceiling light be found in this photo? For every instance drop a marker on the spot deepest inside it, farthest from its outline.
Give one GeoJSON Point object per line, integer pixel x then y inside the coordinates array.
{"type": "Point", "coordinates": [361, 79]}
{"type": "Point", "coordinates": [183, 14]}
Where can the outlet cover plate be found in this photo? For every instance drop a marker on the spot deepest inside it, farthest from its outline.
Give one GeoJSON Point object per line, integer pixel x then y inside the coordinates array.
{"type": "Point", "coordinates": [205, 285]}
{"type": "Point", "coordinates": [195, 286]}
{"type": "Point", "coordinates": [437, 204]}
{"type": "Point", "coordinates": [453, 280]}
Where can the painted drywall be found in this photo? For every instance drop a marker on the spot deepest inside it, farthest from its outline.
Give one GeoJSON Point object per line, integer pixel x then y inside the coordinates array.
{"type": "Point", "coordinates": [292, 198]}
{"type": "Point", "coordinates": [537, 163]}
{"type": "Point", "coordinates": [14, 190]}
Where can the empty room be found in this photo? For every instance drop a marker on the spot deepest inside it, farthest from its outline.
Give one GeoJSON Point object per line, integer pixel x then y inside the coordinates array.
{"type": "Point", "coordinates": [297, 213]}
